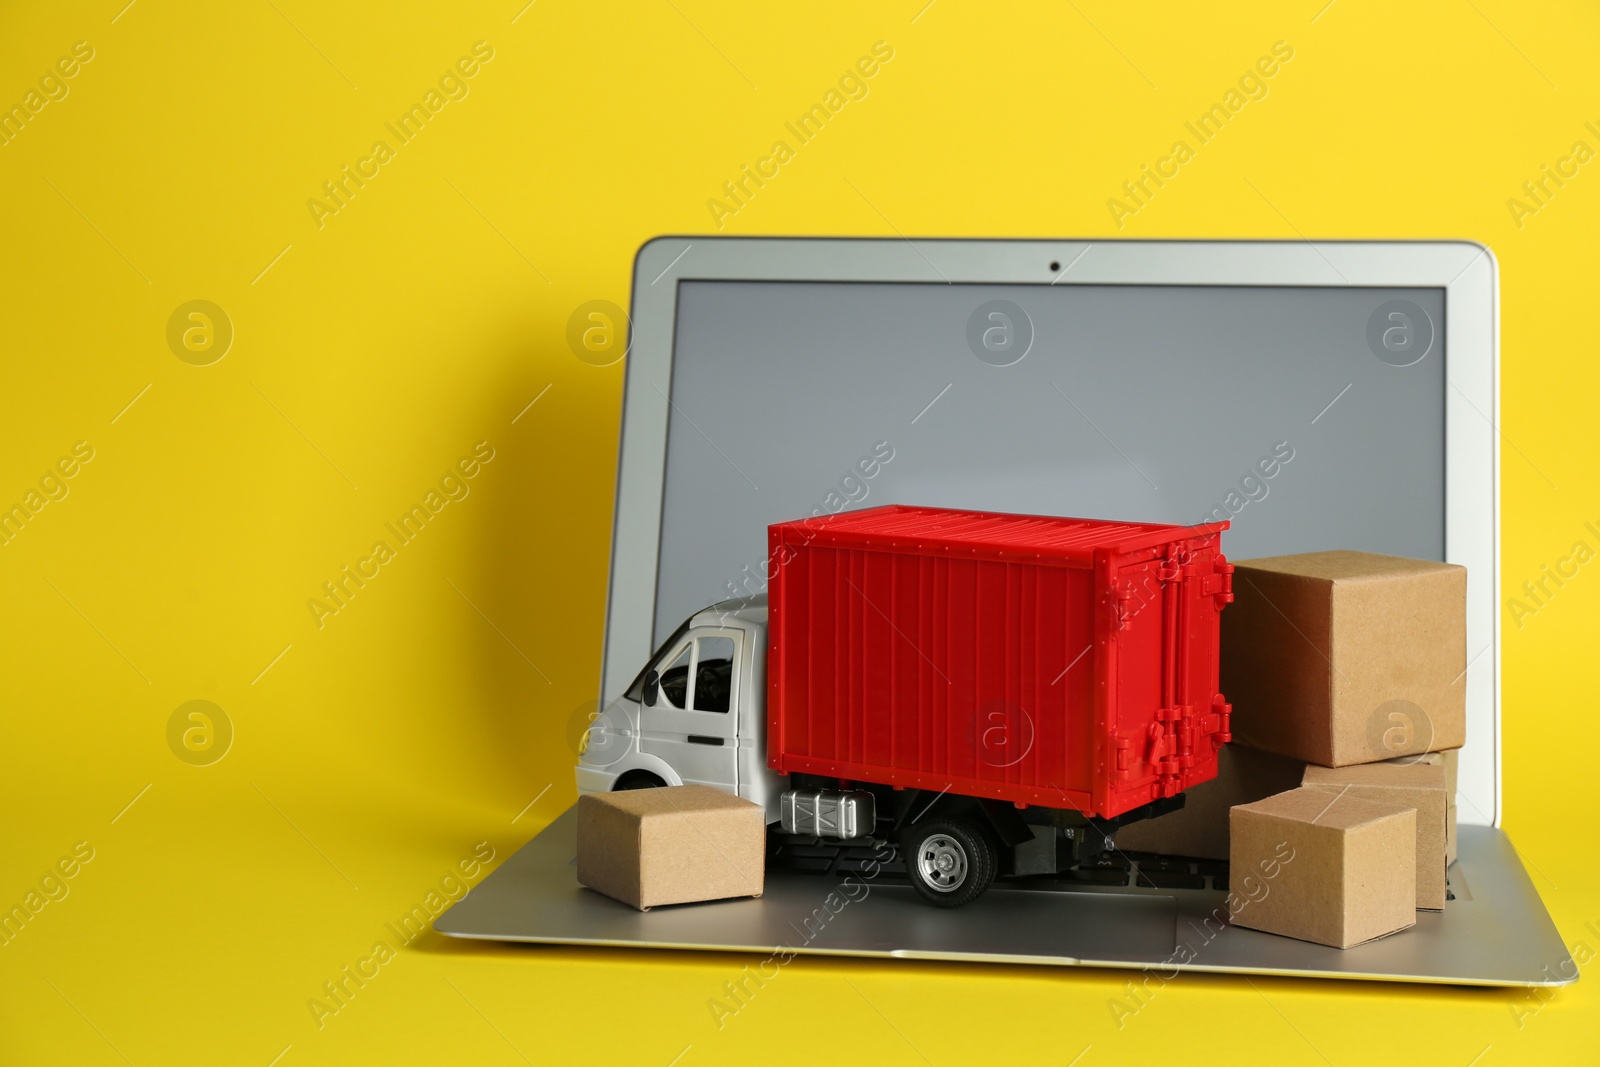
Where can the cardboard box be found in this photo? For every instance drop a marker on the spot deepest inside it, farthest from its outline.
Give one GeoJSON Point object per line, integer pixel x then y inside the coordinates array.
{"type": "Point", "coordinates": [1335, 869]}
{"type": "Point", "coordinates": [1423, 786]}
{"type": "Point", "coordinates": [1340, 658]}
{"type": "Point", "coordinates": [1450, 833]}
{"type": "Point", "coordinates": [1200, 827]}
{"type": "Point", "coordinates": [1450, 761]}
{"type": "Point", "coordinates": [672, 845]}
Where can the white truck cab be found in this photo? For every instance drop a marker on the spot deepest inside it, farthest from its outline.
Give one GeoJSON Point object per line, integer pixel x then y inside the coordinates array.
{"type": "Point", "coordinates": [696, 714]}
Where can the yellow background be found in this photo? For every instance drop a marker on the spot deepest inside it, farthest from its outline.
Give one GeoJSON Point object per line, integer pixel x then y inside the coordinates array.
{"type": "Point", "coordinates": [426, 715]}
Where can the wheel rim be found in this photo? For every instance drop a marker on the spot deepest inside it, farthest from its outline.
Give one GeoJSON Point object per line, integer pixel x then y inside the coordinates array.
{"type": "Point", "coordinates": [942, 862]}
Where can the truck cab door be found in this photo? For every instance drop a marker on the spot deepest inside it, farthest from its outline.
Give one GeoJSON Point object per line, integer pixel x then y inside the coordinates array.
{"type": "Point", "coordinates": [690, 716]}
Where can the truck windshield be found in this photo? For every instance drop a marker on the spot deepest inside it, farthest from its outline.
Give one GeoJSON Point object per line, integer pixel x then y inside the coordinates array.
{"type": "Point", "coordinates": [635, 691]}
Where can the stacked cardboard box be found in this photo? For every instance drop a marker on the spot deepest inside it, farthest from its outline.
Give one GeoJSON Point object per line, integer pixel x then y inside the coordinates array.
{"type": "Point", "coordinates": [1449, 760]}
{"type": "Point", "coordinates": [1420, 786]}
{"type": "Point", "coordinates": [1346, 671]}
{"type": "Point", "coordinates": [1338, 658]}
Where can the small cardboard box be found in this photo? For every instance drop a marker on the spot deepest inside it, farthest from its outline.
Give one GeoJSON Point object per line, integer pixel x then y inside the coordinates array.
{"type": "Point", "coordinates": [1335, 869]}
{"type": "Point", "coordinates": [1423, 786]}
{"type": "Point", "coordinates": [671, 845]}
{"type": "Point", "coordinates": [1450, 761]}
{"type": "Point", "coordinates": [1341, 657]}
{"type": "Point", "coordinates": [1200, 827]}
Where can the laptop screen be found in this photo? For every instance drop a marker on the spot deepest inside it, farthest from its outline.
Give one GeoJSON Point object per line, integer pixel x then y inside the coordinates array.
{"type": "Point", "coordinates": [1312, 418]}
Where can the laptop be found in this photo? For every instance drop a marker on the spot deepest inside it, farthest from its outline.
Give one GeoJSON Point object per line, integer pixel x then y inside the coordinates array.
{"type": "Point", "coordinates": [774, 378]}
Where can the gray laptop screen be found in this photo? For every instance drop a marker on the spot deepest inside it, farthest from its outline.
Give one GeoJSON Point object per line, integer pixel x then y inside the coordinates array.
{"type": "Point", "coordinates": [1313, 418]}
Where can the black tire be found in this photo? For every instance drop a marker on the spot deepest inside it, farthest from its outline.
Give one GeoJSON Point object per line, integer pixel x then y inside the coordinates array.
{"type": "Point", "coordinates": [637, 780]}
{"type": "Point", "coordinates": [950, 861]}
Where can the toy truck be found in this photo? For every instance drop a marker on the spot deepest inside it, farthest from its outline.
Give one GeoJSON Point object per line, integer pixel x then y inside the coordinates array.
{"type": "Point", "coordinates": [994, 693]}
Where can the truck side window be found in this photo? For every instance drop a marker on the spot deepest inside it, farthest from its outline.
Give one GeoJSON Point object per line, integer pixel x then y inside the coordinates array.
{"type": "Point", "coordinates": [713, 677]}
{"type": "Point", "coordinates": [675, 679]}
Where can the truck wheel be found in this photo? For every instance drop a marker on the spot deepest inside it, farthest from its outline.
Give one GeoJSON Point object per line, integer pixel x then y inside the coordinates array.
{"type": "Point", "coordinates": [950, 861]}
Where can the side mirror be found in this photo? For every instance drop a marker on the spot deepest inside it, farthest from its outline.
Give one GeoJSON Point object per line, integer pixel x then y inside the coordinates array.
{"type": "Point", "coordinates": [652, 686]}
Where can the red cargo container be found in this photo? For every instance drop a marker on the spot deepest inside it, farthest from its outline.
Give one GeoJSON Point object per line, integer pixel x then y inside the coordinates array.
{"type": "Point", "coordinates": [1065, 663]}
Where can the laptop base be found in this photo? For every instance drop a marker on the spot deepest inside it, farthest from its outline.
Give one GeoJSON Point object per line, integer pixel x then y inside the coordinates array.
{"type": "Point", "coordinates": [1494, 932]}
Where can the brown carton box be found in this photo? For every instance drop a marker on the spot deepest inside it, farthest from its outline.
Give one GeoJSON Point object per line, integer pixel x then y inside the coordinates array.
{"type": "Point", "coordinates": [1423, 786]}
{"type": "Point", "coordinates": [1450, 761]}
{"type": "Point", "coordinates": [1337, 870]}
{"type": "Point", "coordinates": [671, 845]}
{"type": "Point", "coordinates": [1450, 834]}
{"type": "Point", "coordinates": [1346, 657]}
{"type": "Point", "coordinates": [1200, 827]}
